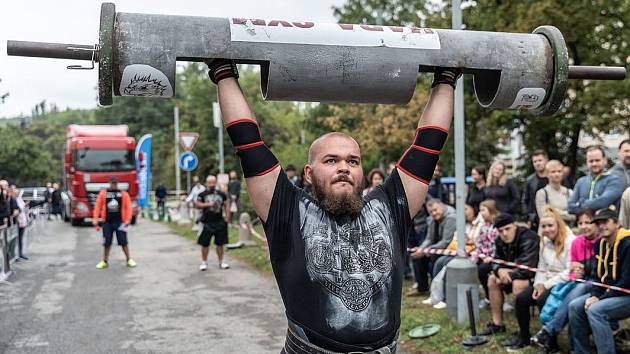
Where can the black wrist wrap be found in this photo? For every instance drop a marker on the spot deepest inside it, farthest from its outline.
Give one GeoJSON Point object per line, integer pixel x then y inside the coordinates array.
{"type": "Point", "coordinates": [256, 158]}
{"type": "Point", "coordinates": [420, 159]}
{"type": "Point", "coordinates": [222, 69]}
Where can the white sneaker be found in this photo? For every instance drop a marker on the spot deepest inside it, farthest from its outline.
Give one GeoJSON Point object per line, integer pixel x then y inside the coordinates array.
{"type": "Point", "coordinates": [440, 305]}
{"type": "Point", "coordinates": [427, 301]}
{"type": "Point", "coordinates": [508, 307]}
{"type": "Point", "coordinates": [203, 266]}
{"type": "Point", "coordinates": [224, 265]}
{"type": "Point", "coordinates": [483, 304]}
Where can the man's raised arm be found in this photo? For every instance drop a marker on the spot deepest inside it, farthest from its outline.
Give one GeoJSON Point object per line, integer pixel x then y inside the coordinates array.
{"type": "Point", "coordinates": [418, 162]}
{"type": "Point", "coordinates": [260, 166]}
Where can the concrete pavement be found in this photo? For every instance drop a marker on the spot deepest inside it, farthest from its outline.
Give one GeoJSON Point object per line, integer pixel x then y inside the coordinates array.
{"type": "Point", "coordinates": [59, 303]}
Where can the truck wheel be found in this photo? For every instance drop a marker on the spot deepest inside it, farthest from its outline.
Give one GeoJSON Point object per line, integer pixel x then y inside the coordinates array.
{"type": "Point", "coordinates": [133, 220]}
{"type": "Point", "coordinates": [76, 222]}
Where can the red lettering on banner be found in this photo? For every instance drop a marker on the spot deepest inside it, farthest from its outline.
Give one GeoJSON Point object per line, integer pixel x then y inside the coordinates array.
{"type": "Point", "coordinates": [396, 29]}
{"type": "Point", "coordinates": [372, 28]}
{"type": "Point", "coordinates": [275, 23]}
{"type": "Point", "coordinates": [346, 26]}
{"type": "Point", "coordinates": [303, 24]}
{"type": "Point", "coordinates": [428, 31]}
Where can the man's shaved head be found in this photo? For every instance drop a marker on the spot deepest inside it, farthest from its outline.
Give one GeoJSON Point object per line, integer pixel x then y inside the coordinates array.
{"type": "Point", "coordinates": [334, 170]}
{"type": "Point", "coordinates": [320, 142]}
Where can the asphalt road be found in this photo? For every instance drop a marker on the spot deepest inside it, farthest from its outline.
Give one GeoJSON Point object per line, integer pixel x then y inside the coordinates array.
{"type": "Point", "coordinates": [59, 303]}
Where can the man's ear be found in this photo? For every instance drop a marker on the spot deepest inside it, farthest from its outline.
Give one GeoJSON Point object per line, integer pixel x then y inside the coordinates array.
{"type": "Point", "coordinates": [308, 170]}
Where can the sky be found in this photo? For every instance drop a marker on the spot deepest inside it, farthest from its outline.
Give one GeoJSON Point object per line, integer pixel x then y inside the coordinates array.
{"type": "Point", "coordinates": [31, 80]}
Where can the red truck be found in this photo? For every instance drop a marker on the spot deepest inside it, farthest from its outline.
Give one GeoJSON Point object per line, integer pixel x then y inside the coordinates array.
{"type": "Point", "coordinates": [93, 154]}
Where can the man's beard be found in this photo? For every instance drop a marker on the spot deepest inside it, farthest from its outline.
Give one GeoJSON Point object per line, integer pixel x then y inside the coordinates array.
{"type": "Point", "coordinates": [338, 205]}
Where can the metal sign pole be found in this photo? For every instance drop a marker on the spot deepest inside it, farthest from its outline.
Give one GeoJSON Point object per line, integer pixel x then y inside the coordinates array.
{"type": "Point", "coordinates": [177, 173]}
{"type": "Point", "coordinates": [216, 117]}
{"type": "Point", "coordinates": [460, 171]}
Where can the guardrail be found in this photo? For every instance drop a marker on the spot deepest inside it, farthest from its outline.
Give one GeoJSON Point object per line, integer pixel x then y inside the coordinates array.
{"type": "Point", "coordinates": [9, 242]}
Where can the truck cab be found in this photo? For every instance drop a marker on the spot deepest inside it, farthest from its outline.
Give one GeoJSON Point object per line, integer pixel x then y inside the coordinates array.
{"type": "Point", "coordinates": [93, 154]}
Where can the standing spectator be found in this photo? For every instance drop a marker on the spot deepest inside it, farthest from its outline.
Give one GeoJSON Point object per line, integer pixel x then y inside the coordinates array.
{"type": "Point", "coordinates": [596, 311]}
{"type": "Point", "coordinates": [56, 201]}
{"type": "Point", "coordinates": [477, 190]}
{"type": "Point", "coordinates": [599, 189]}
{"type": "Point", "coordinates": [567, 177]}
{"type": "Point", "coordinates": [582, 267]}
{"type": "Point", "coordinates": [502, 189]}
{"type": "Point", "coordinates": [375, 178]}
{"type": "Point", "coordinates": [534, 182]}
{"type": "Point", "coordinates": [622, 168]}
{"type": "Point", "coordinates": [13, 210]}
{"type": "Point", "coordinates": [485, 244]}
{"type": "Point", "coordinates": [554, 194]}
{"type": "Point", "coordinates": [4, 206]}
{"type": "Point", "coordinates": [215, 217]}
{"type": "Point", "coordinates": [553, 260]}
{"type": "Point", "coordinates": [22, 222]}
{"type": "Point", "coordinates": [624, 209]}
{"type": "Point", "coordinates": [160, 196]}
{"type": "Point", "coordinates": [515, 244]}
{"type": "Point", "coordinates": [438, 190]}
{"type": "Point", "coordinates": [291, 174]}
{"type": "Point", "coordinates": [440, 231]}
{"type": "Point", "coordinates": [192, 197]}
{"type": "Point", "coordinates": [48, 198]}
{"type": "Point", "coordinates": [234, 194]}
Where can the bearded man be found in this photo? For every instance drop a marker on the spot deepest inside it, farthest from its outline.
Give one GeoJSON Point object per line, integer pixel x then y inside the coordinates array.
{"type": "Point", "coordinates": [338, 257]}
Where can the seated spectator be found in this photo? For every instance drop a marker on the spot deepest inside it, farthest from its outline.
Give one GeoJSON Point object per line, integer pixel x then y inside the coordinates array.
{"type": "Point", "coordinates": [596, 311]}
{"type": "Point", "coordinates": [624, 209]}
{"type": "Point", "coordinates": [485, 244]}
{"type": "Point", "coordinates": [515, 244]}
{"type": "Point", "coordinates": [554, 194]}
{"type": "Point", "coordinates": [417, 235]}
{"type": "Point", "coordinates": [375, 178]}
{"type": "Point", "coordinates": [582, 267]}
{"type": "Point", "coordinates": [553, 261]}
{"type": "Point", "coordinates": [438, 281]}
{"type": "Point", "coordinates": [440, 230]}
{"type": "Point", "coordinates": [502, 189]}
{"type": "Point", "coordinates": [599, 189]}
{"type": "Point", "coordinates": [477, 190]}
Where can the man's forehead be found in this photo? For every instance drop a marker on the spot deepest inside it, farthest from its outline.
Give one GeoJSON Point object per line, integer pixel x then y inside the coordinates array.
{"type": "Point", "coordinates": [337, 146]}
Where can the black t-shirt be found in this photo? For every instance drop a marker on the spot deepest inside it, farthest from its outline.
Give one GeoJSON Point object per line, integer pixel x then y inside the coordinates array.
{"type": "Point", "coordinates": [340, 278]}
{"type": "Point", "coordinates": [214, 213]}
{"type": "Point", "coordinates": [234, 188]}
{"type": "Point", "coordinates": [113, 203]}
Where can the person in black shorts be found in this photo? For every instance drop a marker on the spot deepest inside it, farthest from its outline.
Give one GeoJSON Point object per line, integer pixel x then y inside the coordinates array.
{"type": "Point", "coordinates": [113, 211]}
{"type": "Point", "coordinates": [212, 203]}
{"type": "Point", "coordinates": [338, 257]}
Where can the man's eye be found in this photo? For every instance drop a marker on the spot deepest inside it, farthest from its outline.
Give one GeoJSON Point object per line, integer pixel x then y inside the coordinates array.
{"type": "Point", "coordinates": [354, 162]}
{"type": "Point", "coordinates": [329, 161]}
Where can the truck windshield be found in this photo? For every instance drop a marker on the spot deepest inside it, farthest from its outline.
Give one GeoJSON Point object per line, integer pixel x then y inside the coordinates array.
{"type": "Point", "coordinates": [102, 160]}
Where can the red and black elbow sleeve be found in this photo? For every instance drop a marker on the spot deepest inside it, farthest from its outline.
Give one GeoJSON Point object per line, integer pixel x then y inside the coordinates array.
{"type": "Point", "coordinates": [256, 158]}
{"type": "Point", "coordinates": [420, 159]}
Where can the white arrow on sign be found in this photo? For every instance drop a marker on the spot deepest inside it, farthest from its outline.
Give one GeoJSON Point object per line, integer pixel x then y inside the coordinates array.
{"type": "Point", "coordinates": [188, 140]}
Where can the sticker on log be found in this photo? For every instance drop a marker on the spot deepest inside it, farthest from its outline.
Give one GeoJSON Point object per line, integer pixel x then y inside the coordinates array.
{"type": "Point", "coordinates": [142, 80]}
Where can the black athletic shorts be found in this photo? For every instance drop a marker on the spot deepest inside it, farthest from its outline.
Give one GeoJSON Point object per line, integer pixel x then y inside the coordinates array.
{"type": "Point", "coordinates": [108, 234]}
{"type": "Point", "coordinates": [216, 229]}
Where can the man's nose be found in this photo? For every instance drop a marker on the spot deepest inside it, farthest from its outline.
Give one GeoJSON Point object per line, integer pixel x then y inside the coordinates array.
{"type": "Point", "coordinates": [342, 166]}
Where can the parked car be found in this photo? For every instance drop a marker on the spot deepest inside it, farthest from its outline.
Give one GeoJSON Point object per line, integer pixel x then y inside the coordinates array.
{"type": "Point", "coordinates": [66, 210]}
{"type": "Point", "coordinates": [34, 196]}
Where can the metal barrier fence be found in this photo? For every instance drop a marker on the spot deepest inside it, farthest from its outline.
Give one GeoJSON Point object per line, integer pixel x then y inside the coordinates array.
{"type": "Point", "coordinates": [9, 241]}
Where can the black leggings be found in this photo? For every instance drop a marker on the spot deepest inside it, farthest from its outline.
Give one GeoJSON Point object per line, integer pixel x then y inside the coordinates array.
{"type": "Point", "coordinates": [522, 304]}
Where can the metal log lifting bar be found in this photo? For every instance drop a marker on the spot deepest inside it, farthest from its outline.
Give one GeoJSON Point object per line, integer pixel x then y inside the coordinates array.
{"type": "Point", "coordinates": [307, 61]}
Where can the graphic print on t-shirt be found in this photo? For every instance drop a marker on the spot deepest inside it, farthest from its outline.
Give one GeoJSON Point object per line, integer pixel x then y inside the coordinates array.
{"type": "Point", "coordinates": [113, 201]}
{"type": "Point", "coordinates": [352, 260]}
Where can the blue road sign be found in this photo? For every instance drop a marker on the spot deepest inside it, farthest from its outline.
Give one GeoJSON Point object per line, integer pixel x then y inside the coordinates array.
{"type": "Point", "coordinates": [188, 161]}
